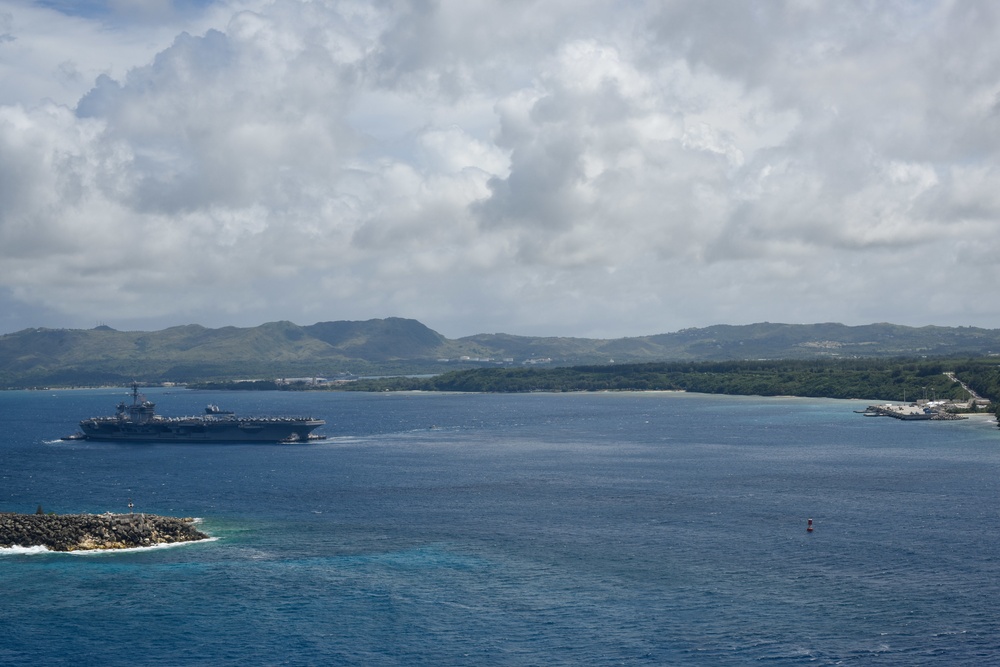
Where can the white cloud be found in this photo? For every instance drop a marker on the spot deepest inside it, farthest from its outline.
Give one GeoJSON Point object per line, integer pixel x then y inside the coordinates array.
{"type": "Point", "coordinates": [535, 167]}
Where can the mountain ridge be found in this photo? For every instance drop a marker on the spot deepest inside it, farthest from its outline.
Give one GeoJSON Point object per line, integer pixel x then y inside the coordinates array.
{"type": "Point", "coordinates": [188, 353]}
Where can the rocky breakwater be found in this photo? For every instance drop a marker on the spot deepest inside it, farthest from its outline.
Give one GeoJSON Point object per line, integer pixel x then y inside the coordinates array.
{"type": "Point", "coordinates": [76, 532]}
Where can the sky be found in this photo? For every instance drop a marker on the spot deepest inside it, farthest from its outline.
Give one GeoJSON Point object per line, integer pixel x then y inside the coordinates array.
{"type": "Point", "coordinates": [550, 168]}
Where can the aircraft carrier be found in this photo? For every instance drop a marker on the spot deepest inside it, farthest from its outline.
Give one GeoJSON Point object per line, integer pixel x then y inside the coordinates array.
{"type": "Point", "coordinates": [139, 422]}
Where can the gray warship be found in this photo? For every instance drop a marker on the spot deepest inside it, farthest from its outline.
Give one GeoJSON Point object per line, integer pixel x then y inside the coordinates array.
{"type": "Point", "coordinates": [139, 422]}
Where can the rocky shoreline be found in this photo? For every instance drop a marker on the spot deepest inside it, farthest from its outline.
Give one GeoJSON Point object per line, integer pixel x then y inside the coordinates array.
{"type": "Point", "coordinates": [79, 532]}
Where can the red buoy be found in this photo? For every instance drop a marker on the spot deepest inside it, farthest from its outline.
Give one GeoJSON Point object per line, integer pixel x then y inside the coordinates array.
{"type": "Point", "coordinates": [809, 526]}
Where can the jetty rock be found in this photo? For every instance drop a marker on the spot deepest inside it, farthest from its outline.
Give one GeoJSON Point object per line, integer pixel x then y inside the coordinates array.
{"type": "Point", "coordinates": [78, 532]}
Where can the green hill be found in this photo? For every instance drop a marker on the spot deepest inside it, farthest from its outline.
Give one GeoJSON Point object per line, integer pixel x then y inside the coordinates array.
{"type": "Point", "coordinates": [66, 357]}
{"type": "Point", "coordinates": [43, 357]}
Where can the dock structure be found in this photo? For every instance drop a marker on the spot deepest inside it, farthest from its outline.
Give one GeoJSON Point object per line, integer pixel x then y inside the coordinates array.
{"type": "Point", "coordinates": [911, 412]}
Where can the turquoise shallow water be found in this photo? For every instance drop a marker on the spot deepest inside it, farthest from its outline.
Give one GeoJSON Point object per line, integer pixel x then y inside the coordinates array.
{"type": "Point", "coordinates": [582, 529]}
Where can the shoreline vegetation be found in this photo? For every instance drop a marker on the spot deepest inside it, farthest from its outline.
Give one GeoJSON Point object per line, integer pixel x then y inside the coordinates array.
{"type": "Point", "coordinates": [875, 379]}
{"type": "Point", "coordinates": [88, 532]}
{"type": "Point", "coordinates": [972, 382]}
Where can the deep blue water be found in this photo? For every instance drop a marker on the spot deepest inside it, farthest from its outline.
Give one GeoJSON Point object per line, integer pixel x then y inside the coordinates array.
{"type": "Point", "coordinates": [542, 529]}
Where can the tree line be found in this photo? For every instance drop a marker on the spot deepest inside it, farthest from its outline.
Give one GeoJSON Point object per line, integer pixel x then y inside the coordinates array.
{"type": "Point", "coordinates": [870, 379]}
{"type": "Point", "coordinates": [876, 379]}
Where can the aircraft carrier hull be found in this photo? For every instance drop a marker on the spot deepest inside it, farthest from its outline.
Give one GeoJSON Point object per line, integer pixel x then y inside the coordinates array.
{"type": "Point", "coordinates": [139, 422]}
{"type": "Point", "coordinates": [203, 430]}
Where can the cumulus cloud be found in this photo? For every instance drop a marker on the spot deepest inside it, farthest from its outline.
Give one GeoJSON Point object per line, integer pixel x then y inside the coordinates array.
{"type": "Point", "coordinates": [534, 167]}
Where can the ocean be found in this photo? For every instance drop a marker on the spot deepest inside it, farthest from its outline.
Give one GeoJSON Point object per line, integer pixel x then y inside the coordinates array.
{"type": "Point", "coordinates": [537, 529]}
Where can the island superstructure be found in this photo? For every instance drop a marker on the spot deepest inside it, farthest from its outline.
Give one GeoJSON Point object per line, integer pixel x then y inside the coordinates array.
{"type": "Point", "coordinates": [139, 422]}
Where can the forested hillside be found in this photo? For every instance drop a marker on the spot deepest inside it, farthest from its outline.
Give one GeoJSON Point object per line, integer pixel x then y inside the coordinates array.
{"type": "Point", "coordinates": [395, 346]}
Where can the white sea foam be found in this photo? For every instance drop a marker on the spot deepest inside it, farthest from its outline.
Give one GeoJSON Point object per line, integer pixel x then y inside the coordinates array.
{"type": "Point", "coordinates": [20, 551]}
{"type": "Point", "coordinates": [168, 545]}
